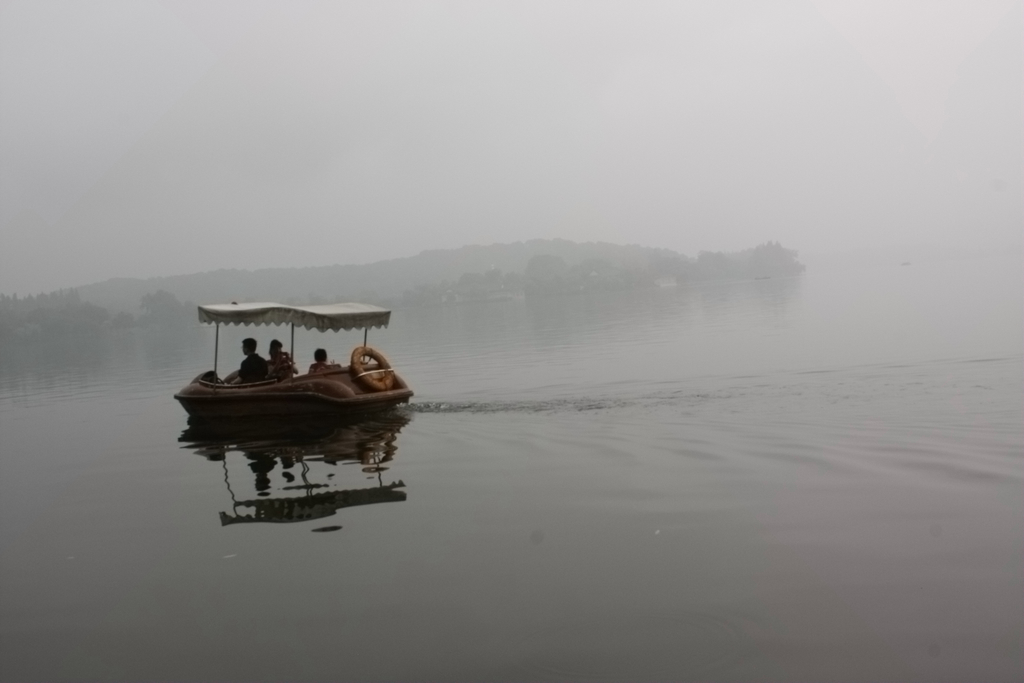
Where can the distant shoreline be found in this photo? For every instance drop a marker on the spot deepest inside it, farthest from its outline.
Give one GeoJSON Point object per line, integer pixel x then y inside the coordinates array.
{"type": "Point", "coordinates": [500, 272]}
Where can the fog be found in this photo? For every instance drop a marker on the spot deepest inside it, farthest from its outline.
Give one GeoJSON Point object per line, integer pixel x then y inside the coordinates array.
{"type": "Point", "coordinates": [150, 138]}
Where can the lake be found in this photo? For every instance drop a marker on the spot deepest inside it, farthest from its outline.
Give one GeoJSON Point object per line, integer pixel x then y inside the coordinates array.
{"type": "Point", "coordinates": [816, 478]}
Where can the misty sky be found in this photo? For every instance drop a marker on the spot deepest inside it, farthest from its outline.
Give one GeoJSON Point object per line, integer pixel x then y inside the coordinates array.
{"type": "Point", "coordinates": [151, 137]}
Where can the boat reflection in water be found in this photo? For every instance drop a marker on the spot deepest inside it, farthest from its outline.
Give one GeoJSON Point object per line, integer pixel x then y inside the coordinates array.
{"type": "Point", "coordinates": [304, 452]}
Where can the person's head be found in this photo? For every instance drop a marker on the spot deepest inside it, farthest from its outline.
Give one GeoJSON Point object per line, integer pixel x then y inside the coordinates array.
{"type": "Point", "coordinates": [248, 346]}
{"type": "Point", "coordinates": [275, 347]}
{"type": "Point", "coordinates": [320, 356]}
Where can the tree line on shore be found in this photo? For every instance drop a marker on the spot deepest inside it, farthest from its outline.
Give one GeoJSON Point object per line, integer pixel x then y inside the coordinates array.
{"type": "Point", "coordinates": [66, 313]}
{"type": "Point", "coordinates": [63, 314]}
{"type": "Point", "coordinates": [550, 274]}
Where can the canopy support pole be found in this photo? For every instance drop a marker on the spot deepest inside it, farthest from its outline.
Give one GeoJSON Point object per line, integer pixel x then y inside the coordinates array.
{"type": "Point", "coordinates": [293, 342]}
{"type": "Point", "coordinates": [366, 332]}
{"type": "Point", "coordinates": [216, 352]}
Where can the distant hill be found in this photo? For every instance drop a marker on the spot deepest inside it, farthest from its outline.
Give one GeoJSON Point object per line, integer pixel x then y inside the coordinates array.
{"type": "Point", "coordinates": [392, 281]}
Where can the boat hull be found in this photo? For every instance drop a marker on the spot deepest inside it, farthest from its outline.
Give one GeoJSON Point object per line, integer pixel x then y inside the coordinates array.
{"type": "Point", "coordinates": [332, 393]}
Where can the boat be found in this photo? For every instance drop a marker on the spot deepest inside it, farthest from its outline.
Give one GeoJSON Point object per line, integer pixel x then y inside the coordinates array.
{"type": "Point", "coordinates": [368, 383]}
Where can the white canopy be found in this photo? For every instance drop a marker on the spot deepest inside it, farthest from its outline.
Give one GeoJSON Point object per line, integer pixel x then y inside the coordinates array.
{"type": "Point", "coordinates": [330, 317]}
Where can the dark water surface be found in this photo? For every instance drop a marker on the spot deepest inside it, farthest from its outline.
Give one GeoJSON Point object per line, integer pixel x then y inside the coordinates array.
{"type": "Point", "coordinates": [806, 479]}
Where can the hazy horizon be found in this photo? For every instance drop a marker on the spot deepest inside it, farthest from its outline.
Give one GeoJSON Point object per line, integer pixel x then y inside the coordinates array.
{"type": "Point", "coordinates": [797, 454]}
{"type": "Point", "coordinates": [170, 137]}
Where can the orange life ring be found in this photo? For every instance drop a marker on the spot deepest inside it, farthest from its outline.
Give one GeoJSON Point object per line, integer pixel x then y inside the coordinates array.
{"type": "Point", "coordinates": [379, 378]}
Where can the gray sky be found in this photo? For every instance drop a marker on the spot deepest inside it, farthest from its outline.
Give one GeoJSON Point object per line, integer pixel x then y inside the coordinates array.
{"type": "Point", "coordinates": [150, 137]}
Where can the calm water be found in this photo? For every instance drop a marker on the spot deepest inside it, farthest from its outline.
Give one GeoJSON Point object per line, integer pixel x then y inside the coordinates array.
{"type": "Point", "coordinates": [807, 479]}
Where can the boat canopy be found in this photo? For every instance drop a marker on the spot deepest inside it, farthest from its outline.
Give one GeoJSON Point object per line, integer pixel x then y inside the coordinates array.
{"type": "Point", "coordinates": [328, 317]}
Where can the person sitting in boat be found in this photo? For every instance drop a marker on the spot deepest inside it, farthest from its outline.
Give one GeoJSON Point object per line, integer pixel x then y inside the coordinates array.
{"type": "Point", "coordinates": [281, 365]}
{"type": "Point", "coordinates": [321, 364]}
{"type": "Point", "coordinates": [254, 367]}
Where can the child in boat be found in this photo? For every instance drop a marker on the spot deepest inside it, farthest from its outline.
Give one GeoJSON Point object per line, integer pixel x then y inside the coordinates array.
{"type": "Point", "coordinates": [321, 364]}
{"type": "Point", "coordinates": [281, 365]}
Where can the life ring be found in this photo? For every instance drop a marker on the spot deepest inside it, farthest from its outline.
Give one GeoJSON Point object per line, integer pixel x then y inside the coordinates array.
{"type": "Point", "coordinates": [379, 378]}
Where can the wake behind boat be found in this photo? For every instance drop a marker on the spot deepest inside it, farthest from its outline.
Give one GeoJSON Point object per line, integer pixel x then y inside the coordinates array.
{"type": "Point", "coordinates": [368, 383]}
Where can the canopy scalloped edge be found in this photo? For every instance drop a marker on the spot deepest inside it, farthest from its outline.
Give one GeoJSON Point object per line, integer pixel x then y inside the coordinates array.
{"type": "Point", "coordinates": [328, 317]}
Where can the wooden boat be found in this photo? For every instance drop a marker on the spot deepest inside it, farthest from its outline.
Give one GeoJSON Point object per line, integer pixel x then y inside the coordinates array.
{"type": "Point", "coordinates": [368, 383]}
